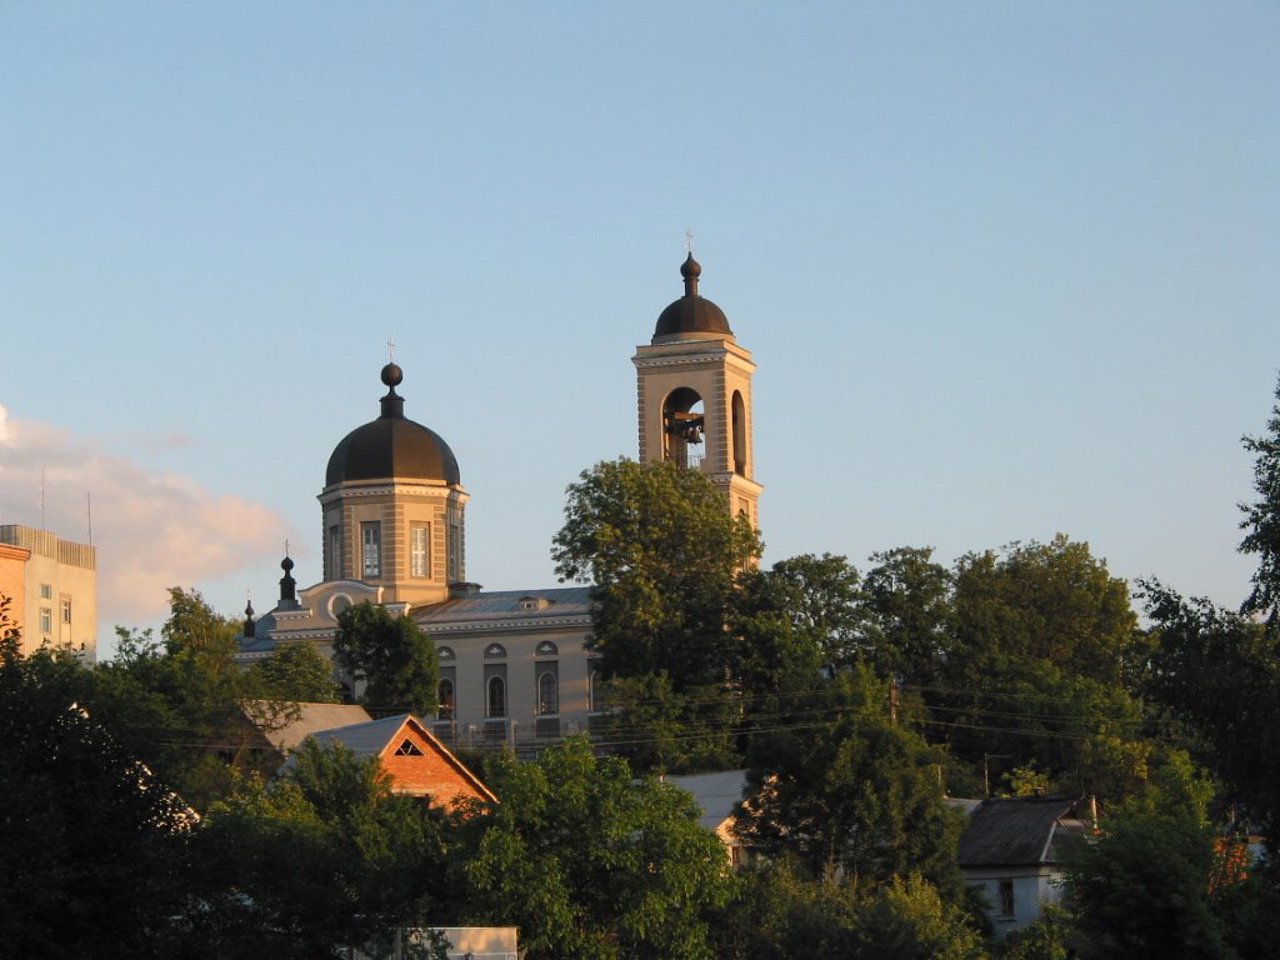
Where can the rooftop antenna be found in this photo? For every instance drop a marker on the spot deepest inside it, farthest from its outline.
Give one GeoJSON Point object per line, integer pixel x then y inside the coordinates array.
{"type": "Point", "coordinates": [42, 523]}
{"type": "Point", "coordinates": [88, 507]}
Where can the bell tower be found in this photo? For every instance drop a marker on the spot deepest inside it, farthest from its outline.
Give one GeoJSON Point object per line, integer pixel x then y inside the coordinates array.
{"type": "Point", "coordinates": [694, 393]}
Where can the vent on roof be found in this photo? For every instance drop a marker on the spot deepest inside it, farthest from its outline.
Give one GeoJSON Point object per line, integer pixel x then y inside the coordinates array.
{"type": "Point", "coordinates": [408, 749]}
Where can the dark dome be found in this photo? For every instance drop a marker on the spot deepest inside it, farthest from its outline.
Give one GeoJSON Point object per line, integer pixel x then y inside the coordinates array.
{"type": "Point", "coordinates": [691, 314]}
{"type": "Point", "coordinates": [392, 447]}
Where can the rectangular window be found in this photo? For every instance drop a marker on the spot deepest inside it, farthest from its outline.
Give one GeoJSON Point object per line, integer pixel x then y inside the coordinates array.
{"type": "Point", "coordinates": [46, 591]}
{"type": "Point", "coordinates": [455, 552]}
{"type": "Point", "coordinates": [1006, 898]}
{"type": "Point", "coordinates": [420, 550]}
{"type": "Point", "coordinates": [46, 620]}
{"type": "Point", "coordinates": [335, 553]}
{"type": "Point", "coordinates": [371, 538]}
{"type": "Point", "coordinates": [66, 609]}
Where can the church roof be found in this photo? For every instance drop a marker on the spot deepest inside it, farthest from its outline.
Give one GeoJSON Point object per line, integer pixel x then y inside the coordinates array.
{"type": "Point", "coordinates": [392, 446]}
{"type": "Point", "coordinates": [692, 316]}
{"type": "Point", "coordinates": [509, 604]}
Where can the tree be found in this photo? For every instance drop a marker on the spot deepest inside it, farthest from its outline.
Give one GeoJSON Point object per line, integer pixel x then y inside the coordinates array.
{"type": "Point", "coordinates": [297, 672]}
{"type": "Point", "coordinates": [593, 864]}
{"type": "Point", "coordinates": [908, 611]}
{"type": "Point", "coordinates": [94, 843]}
{"type": "Point", "coordinates": [663, 551]}
{"type": "Point", "coordinates": [1262, 520]}
{"type": "Point", "coordinates": [325, 858]}
{"type": "Point", "coordinates": [395, 658]}
{"type": "Point", "coordinates": [1141, 888]}
{"type": "Point", "coordinates": [855, 791]}
{"type": "Point", "coordinates": [906, 919]}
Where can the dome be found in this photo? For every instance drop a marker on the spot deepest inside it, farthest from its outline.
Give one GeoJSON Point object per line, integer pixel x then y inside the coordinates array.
{"type": "Point", "coordinates": [692, 316]}
{"type": "Point", "coordinates": [392, 446]}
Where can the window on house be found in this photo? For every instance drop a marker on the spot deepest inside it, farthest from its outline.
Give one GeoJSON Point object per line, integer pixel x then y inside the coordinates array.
{"type": "Point", "coordinates": [1006, 898]}
{"type": "Point", "coordinates": [497, 698]}
{"type": "Point", "coordinates": [420, 550]}
{"type": "Point", "coordinates": [408, 749]}
{"type": "Point", "coordinates": [371, 538]}
{"type": "Point", "coordinates": [66, 610]}
{"type": "Point", "coordinates": [46, 591]}
{"type": "Point", "coordinates": [445, 696]}
{"type": "Point", "coordinates": [548, 693]}
{"type": "Point", "coordinates": [46, 620]}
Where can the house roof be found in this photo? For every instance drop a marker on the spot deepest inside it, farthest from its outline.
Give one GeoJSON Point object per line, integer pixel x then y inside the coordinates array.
{"type": "Point", "coordinates": [717, 794]}
{"type": "Point", "coordinates": [1021, 831]}
{"type": "Point", "coordinates": [312, 718]}
{"type": "Point", "coordinates": [377, 738]}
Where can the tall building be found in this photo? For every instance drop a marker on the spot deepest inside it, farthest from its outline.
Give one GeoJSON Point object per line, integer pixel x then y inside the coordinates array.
{"type": "Point", "coordinates": [514, 664]}
{"type": "Point", "coordinates": [59, 604]}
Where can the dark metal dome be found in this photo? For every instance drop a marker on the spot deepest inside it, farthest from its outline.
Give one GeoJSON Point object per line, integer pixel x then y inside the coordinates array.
{"type": "Point", "coordinates": [691, 315]}
{"type": "Point", "coordinates": [392, 447]}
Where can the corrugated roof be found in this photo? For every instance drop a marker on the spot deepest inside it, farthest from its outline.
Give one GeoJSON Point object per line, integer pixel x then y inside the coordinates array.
{"type": "Point", "coordinates": [1021, 831]}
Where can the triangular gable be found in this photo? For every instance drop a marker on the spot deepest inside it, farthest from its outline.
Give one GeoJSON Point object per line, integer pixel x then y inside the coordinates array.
{"type": "Point", "coordinates": [419, 764]}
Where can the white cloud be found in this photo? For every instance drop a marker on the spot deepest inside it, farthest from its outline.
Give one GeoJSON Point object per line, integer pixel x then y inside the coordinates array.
{"type": "Point", "coordinates": [152, 530]}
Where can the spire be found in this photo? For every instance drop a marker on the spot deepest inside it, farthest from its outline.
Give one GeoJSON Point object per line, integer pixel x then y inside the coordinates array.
{"type": "Point", "coordinates": [392, 403]}
{"type": "Point", "coordinates": [691, 270]}
{"type": "Point", "coordinates": [250, 626]}
{"type": "Point", "coordinates": [288, 586]}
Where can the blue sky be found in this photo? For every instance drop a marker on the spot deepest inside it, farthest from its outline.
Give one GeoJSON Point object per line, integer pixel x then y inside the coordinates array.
{"type": "Point", "coordinates": [1007, 269]}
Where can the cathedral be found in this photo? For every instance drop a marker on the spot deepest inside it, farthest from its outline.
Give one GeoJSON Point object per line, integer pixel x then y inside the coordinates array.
{"type": "Point", "coordinates": [515, 668]}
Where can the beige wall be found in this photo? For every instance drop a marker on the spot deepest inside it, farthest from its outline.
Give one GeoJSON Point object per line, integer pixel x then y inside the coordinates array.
{"type": "Point", "coordinates": [61, 592]}
{"type": "Point", "coordinates": [13, 582]}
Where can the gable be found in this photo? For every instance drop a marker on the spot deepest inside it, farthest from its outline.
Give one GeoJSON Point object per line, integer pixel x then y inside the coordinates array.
{"type": "Point", "coordinates": [421, 766]}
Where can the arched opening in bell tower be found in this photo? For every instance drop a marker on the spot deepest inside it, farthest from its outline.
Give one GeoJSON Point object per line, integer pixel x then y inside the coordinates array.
{"type": "Point", "coordinates": [683, 423]}
{"type": "Point", "coordinates": [739, 434]}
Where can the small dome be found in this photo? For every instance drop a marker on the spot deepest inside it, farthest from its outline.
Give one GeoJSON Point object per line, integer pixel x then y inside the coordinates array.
{"type": "Point", "coordinates": [691, 317]}
{"type": "Point", "coordinates": [392, 446]}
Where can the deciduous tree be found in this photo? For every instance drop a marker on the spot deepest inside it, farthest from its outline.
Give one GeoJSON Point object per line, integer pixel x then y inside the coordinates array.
{"type": "Point", "coordinates": [394, 657]}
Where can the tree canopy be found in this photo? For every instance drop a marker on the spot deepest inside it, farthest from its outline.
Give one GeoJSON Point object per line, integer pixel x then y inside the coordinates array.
{"type": "Point", "coordinates": [395, 659]}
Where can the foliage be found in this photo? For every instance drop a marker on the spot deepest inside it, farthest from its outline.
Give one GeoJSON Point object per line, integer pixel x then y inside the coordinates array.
{"type": "Point", "coordinates": [657, 729]}
{"type": "Point", "coordinates": [296, 672]}
{"type": "Point", "coordinates": [907, 609]}
{"type": "Point", "coordinates": [907, 920]}
{"type": "Point", "coordinates": [854, 792]}
{"type": "Point", "coordinates": [1049, 938]}
{"type": "Point", "coordinates": [94, 843]}
{"type": "Point", "coordinates": [663, 552]}
{"type": "Point", "coordinates": [593, 864]}
{"type": "Point", "coordinates": [396, 659]}
{"type": "Point", "coordinates": [1262, 520]}
{"type": "Point", "coordinates": [321, 859]}
{"type": "Point", "coordinates": [1142, 887]}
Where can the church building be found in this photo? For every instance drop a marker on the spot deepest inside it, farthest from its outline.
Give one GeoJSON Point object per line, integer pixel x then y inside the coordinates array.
{"type": "Point", "coordinates": [515, 668]}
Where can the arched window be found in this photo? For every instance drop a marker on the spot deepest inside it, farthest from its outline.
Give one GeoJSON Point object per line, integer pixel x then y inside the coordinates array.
{"type": "Point", "coordinates": [739, 435]}
{"type": "Point", "coordinates": [495, 651]}
{"type": "Point", "coordinates": [445, 697]}
{"type": "Point", "coordinates": [548, 693]}
{"type": "Point", "coordinates": [593, 683]}
{"type": "Point", "coordinates": [497, 698]}
{"type": "Point", "coordinates": [683, 422]}
{"type": "Point", "coordinates": [546, 649]}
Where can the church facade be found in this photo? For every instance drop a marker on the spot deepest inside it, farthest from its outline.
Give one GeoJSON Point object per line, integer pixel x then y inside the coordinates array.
{"type": "Point", "coordinates": [515, 665]}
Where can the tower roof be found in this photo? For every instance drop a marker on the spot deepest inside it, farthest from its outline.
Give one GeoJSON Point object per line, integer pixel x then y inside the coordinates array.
{"type": "Point", "coordinates": [691, 317]}
{"type": "Point", "coordinates": [392, 446]}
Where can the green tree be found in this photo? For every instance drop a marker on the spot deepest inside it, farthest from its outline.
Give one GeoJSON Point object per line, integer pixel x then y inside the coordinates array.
{"type": "Point", "coordinates": [663, 552]}
{"type": "Point", "coordinates": [855, 792]}
{"type": "Point", "coordinates": [297, 672]}
{"type": "Point", "coordinates": [322, 859]}
{"type": "Point", "coordinates": [1142, 887]}
{"type": "Point", "coordinates": [395, 658]}
{"type": "Point", "coordinates": [906, 919]}
{"type": "Point", "coordinates": [594, 864]}
{"type": "Point", "coordinates": [908, 611]}
{"type": "Point", "coordinates": [94, 843]}
{"type": "Point", "coordinates": [1262, 520]}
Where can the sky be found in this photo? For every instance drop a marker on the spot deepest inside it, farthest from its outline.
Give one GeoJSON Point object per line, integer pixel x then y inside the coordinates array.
{"type": "Point", "coordinates": [1007, 270]}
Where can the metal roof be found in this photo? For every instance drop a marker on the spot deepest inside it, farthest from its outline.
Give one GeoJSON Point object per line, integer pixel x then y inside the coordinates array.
{"type": "Point", "coordinates": [1021, 831]}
